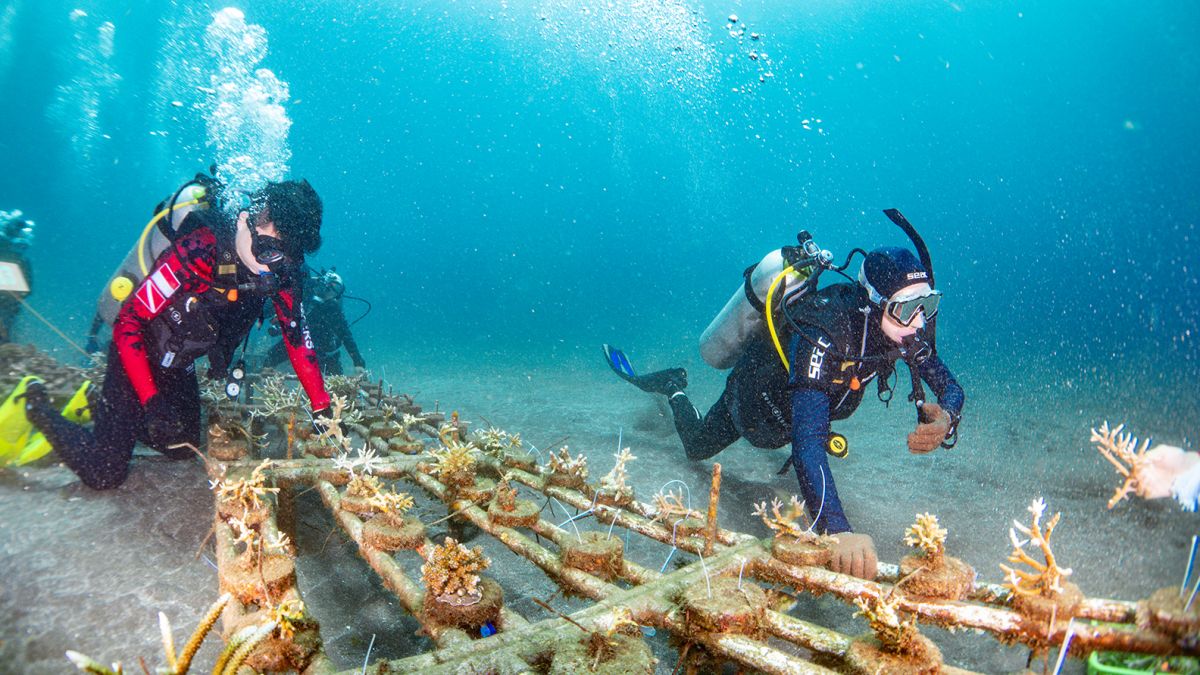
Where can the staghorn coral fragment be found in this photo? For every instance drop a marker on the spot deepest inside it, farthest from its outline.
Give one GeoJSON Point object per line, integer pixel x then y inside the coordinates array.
{"type": "Point", "coordinates": [493, 442]}
{"type": "Point", "coordinates": [454, 463]}
{"type": "Point", "coordinates": [238, 649]}
{"type": "Point", "coordinates": [930, 573]}
{"type": "Point", "coordinates": [1046, 579]}
{"type": "Point", "coordinates": [562, 464]}
{"type": "Point", "coordinates": [894, 631]}
{"type": "Point", "coordinates": [670, 506]}
{"type": "Point", "coordinates": [615, 480]}
{"type": "Point", "coordinates": [366, 461]}
{"type": "Point", "coordinates": [392, 502]}
{"type": "Point", "coordinates": [786, 524]}
{"type": "Point", "coordinates": [176, 664]}
{"type": "Point", "coordinates": [341, 413]}
{"type": "Point", "coordinates": [1125, 454]}
{"type": "Point", "coordinates": [246, 494]}
{"type": "Point", "coordinates": [365, 486]}
{"type": "Point", "coordinates": [506, 494]}
{"type": "Point", "coordinates": [273, 398]}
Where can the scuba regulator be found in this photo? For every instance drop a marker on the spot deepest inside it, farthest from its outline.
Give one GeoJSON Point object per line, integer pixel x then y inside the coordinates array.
{"type": "Point", "coordinates": [269, 253]}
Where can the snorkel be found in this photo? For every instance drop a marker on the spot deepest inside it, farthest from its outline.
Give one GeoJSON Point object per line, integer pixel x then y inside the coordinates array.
{"type": "Point", "coordinates": [923, 344]}
{"type": "Point", "coordinates": [898, 218]}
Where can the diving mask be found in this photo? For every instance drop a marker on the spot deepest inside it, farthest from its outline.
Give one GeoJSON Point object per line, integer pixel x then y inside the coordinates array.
{"type": "Point", "coordinates": [269, 252]}
{"type": "Point", "coordinates": [904, 310]}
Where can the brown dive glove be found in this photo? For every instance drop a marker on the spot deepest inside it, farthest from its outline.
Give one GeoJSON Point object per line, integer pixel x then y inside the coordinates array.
{"type": "Point", "coordinates": [929, 435]}
{"type": "Point", "coordinates": [854, 554]}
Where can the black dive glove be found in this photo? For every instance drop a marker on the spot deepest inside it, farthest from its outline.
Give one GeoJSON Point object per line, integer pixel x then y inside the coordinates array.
{"type": "Point", "coordinates": [163, 424]}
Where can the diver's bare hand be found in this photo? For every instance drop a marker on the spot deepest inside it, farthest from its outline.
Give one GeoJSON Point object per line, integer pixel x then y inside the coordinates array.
{"type": "Point", "coordinates": [854, 554]}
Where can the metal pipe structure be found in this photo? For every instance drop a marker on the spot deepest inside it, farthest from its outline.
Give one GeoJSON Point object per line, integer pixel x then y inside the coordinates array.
{"type": "Point", "coordinates": [652, 598]}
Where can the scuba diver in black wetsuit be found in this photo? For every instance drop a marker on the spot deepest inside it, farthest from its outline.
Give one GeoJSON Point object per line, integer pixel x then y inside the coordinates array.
{"type": "Point", "coordinates": [838, 339]}
{"type": "Point", "coordinates": [327, 322]}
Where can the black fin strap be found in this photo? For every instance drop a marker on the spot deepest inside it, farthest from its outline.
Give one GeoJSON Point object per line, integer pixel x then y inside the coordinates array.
{"type": "Point", "coordinates": [784, 469]}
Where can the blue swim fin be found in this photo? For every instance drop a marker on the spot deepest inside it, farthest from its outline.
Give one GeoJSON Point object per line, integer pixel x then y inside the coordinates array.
{"type": "Point", "coordinates": [668, 382]}
{"type": "Point", "coordinates": [619, 363]}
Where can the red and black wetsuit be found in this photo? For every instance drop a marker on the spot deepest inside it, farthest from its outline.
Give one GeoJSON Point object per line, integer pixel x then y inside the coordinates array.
{"type": "Point", "coordinates": [181, 293]}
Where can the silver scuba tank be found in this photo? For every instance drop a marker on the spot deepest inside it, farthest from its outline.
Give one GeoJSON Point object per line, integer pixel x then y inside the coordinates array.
{"type": "Point", "coordinates": [725, 338]}
{"type": "Point", "coordinates": [140, 259]}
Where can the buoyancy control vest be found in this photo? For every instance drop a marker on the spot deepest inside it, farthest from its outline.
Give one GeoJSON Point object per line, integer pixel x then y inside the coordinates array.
{"type": "Point", "coordinates": [745, 314]}
{"type": "Point", "coordinates": [167, 223]}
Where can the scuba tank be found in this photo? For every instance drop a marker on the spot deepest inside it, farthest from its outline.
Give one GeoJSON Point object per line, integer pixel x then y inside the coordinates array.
{"type": "Point", "coordinates": [743, 315]}
{"type": "Point", "coordinates": [201, 192]}
{"type": "Point", "coordinates": [155, 237]}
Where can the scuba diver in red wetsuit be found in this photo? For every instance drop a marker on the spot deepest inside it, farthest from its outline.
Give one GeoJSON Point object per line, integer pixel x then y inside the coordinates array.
{"type": "Point", "coordinates": [200, 297]}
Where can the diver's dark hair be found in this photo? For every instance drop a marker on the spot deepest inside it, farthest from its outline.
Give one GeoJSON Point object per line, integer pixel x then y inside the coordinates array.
{"type": "Point", "coordinates": [296, 210]}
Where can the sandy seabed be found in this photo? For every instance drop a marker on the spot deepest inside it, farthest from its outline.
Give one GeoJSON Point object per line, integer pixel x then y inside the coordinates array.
{"type": "Point", "coordinates": [89, 571]}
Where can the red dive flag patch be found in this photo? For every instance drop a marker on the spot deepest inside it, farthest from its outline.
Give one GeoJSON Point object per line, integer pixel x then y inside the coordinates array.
{"type": "Point", "coordinates": [158, 288]}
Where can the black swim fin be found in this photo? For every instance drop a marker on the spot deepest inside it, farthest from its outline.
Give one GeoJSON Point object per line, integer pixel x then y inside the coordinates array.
{"type": "Point", "coordinates": [666, 382]}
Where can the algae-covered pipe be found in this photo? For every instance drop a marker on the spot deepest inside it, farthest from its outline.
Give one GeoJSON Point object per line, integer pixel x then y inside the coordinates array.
{"type": "Point", "coordinates": [1004, 623]}
{"type": "Point", "coordinates": [406, 591]}
{"type": "Point", "coordinates": [627, 518]}
{"type": "Point", "coordinates": [1096, 609]}
{"type": "Point", "coordinates": [714, 497]}
{"type": "Point", "coordinates": [650, 605]}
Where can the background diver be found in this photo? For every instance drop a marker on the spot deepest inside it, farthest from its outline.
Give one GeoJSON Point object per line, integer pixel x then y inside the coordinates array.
{"type": "Point", "coordinates": [201, 297]}
{"type": "Point", "coordinates": [16, 236]}
{"type": "Point", "coordinates": [323, 308]}
{"type": "Point", "coordinates": [838, 339]}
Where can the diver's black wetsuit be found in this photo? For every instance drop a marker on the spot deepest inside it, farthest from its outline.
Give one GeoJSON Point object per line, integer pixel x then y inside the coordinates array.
{"type": "Point", "coordinates": [768, 407]}
{"type": "Point", "coordinates": [330, 332]}
{"type": "Point", "coordinates": [101, 455]}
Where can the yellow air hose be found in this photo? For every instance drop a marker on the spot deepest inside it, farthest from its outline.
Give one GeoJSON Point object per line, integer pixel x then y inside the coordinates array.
{"type": "Point", "coordinates": [803, 275]}
{"type": "Point", "coordinates": [141, 246]}
{"type": "Point", "coordinates": [770, 312]}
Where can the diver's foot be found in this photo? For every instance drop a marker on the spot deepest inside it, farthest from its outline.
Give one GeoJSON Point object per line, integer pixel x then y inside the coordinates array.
{"type": "Point", "coordinates": [667, 382]}
{"type": "Point", "coordinates": [37, 403]}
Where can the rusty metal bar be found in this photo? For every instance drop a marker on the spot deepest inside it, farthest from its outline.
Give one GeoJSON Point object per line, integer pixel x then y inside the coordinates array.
{"type": "Point", "coordinates": [714, 497]}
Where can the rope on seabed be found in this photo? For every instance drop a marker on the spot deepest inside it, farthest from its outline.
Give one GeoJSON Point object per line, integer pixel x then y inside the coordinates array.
{"type": "Point", "coordinates": [52, 327]}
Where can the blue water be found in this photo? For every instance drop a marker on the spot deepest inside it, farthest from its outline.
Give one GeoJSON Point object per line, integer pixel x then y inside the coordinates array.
{"type": "Point", "coordinates": [524, 175]}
